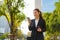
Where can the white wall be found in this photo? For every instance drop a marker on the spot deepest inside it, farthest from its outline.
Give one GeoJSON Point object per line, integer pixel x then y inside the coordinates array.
{"type": "Point", "coordinates": [38, 4]}
{"type": "Point", "coordinates": [29, 7]}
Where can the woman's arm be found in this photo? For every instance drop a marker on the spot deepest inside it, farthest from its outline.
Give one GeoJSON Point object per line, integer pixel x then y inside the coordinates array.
{"type": "Point", "coordinates": [30, 27]}
{"type": "Point", "coordinates": [42, 27]}
{"type": "Point", "coordinates": [29, 23]}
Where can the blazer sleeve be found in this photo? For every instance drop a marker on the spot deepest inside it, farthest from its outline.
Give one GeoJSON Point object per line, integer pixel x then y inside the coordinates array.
{"type": "Point", "coordinates": [43, 26]}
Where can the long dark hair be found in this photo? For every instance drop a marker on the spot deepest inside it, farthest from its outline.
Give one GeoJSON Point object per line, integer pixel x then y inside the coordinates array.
{"type": "Point", "coordinates": [40, 13]}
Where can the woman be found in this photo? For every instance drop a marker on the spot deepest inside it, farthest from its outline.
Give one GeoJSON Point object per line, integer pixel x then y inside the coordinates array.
{"type": "Point", "coordinates": [37, 26]}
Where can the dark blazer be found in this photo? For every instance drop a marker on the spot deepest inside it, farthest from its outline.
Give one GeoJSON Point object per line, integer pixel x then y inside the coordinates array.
{"type": "Point", "coordinates": [35, 35]}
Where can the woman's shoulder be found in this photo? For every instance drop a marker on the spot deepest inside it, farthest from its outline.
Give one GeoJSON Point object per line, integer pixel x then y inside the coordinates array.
{"type": "Point", "coordinates": [42, 20]}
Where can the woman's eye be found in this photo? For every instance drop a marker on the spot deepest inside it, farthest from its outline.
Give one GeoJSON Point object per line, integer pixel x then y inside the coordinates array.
{"type": "Point", "coordinates": [35, 12]}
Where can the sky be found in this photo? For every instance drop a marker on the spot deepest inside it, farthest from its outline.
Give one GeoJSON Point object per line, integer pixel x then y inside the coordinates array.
{"type": "Point", "coordinates": [4, 27]}
{"type": "Point", "coordinates": [47, 6]}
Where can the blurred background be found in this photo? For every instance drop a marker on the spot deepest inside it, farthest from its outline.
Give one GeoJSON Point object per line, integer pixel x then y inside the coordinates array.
{"type": "Point", "coordinates": [14, 13]}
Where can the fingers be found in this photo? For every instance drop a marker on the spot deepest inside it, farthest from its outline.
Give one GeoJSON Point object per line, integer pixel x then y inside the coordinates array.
{"type": "Point", "coordinates": [39, 30]}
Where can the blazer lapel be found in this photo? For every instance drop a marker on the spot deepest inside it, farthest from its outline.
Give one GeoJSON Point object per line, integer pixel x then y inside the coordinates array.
{"type": "Point", "coordinates": [34, 22]}
{"type": "Point", "coordinates": [38, 23]}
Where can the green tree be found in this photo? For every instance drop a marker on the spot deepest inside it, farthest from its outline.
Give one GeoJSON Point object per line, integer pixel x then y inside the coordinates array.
{"type": "Point", "coordinates": [3, 36]}
{"type": "Point", "coordinates": [53, 21]}
{"type": "Point", "coordinates": [19, 34]}
{"type": "Point", "coordinates": [46, 16]}
{"type": "Point", "coordinates": [57, 10]}
{"type": "Point", "coordinates": [12, 10]}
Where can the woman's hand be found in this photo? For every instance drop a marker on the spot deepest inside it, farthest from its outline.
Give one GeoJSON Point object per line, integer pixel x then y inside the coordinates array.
{"type": "Point", "coordinates": [29, 21]}
{"type": "Point", "coordinates": [39, 30]}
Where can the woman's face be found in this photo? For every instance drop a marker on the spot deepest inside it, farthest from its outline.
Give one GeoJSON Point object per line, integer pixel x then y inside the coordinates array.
{"type": "Point", "coordinates": [36, 13]}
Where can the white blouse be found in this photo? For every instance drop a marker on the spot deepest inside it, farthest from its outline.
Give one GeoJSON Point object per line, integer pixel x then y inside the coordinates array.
{"type": "Point", "coordinates": [36, 22]}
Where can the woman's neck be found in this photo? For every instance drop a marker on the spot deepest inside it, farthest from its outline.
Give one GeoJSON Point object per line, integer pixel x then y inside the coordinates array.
{"type": "Point", "coordinates": [37, 18]}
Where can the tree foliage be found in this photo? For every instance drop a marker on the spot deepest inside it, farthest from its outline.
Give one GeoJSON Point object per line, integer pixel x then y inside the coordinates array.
{"type": "Point", "coordinates": [53, 21]}
{"type": "Point", "coordinates": [12, 10]}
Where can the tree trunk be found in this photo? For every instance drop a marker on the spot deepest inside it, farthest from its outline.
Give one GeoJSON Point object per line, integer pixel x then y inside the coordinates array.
{"type": "Point", "coordinates": [11, 27]}
{"type": "Point", "coordinates": [12, 33]}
